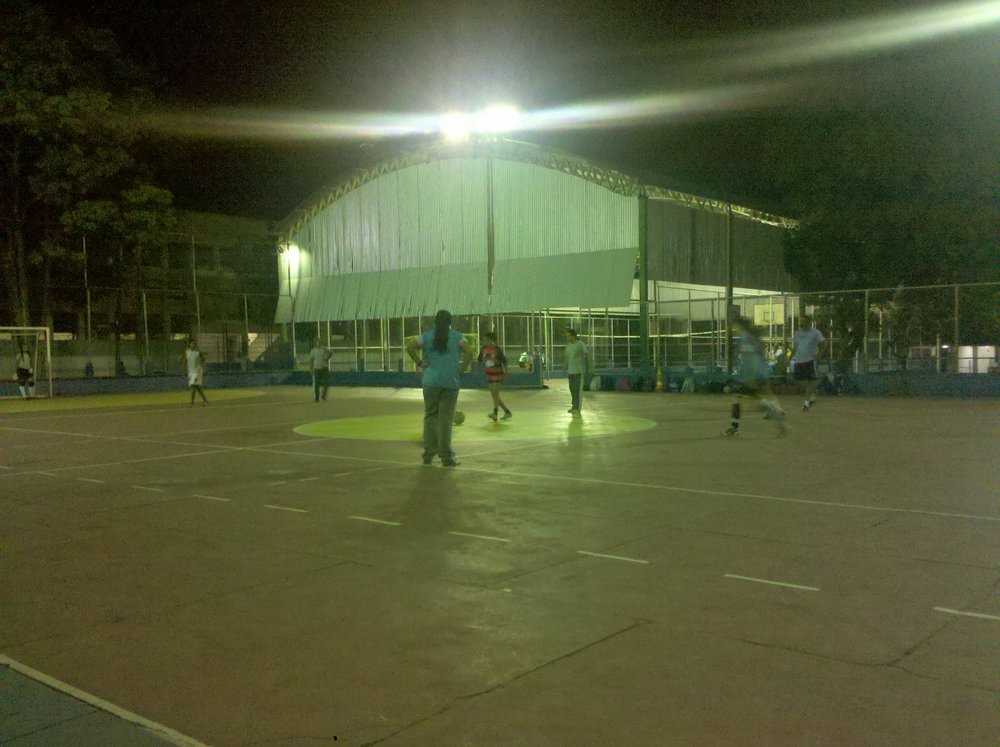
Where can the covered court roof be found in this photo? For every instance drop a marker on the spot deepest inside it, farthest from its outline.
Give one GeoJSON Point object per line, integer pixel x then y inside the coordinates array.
{"type": "Point", "coordinates": [499, 226]}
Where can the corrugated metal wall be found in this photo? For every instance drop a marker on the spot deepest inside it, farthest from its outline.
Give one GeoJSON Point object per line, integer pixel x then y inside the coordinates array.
{"type": "Point", "coordinates": [416, 239]}
{"type": "Point", "coordinates": [688, 245]}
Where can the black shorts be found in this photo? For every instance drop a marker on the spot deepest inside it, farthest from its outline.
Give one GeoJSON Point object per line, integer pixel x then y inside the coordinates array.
{"type": "Point", "coordinates": [24, 376]}
{"type": "Point", "coordinates": [804, 371]}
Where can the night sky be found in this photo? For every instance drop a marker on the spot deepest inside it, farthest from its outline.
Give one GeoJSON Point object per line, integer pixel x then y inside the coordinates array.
{"type": "Point", "coordinates": [402, 57]}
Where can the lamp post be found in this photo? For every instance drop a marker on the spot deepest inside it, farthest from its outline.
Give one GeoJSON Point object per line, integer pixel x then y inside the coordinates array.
{"type": "Point", "coordinates": [89, 368]}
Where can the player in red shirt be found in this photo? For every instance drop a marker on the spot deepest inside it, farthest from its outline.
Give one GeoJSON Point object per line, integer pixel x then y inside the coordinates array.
{"type": "Point", "coordinates": [495, 364]}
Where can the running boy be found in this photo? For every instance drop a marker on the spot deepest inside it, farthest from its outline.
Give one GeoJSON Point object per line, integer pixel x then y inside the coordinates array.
{"type": "Point", "coordinates": [495, 364]}
{"type": "Point", "coordinates": [754, 375]}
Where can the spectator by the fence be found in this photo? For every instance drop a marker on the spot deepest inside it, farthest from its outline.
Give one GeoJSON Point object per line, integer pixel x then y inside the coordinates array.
{"type": "Point", "coordinates": [805, 348]}
{"type": "Point", "coordinates": [319, 367]}
{"type": "Point", "coordinates": [576, 366]}
{"type": "Point", "coordinates": [195, 370]}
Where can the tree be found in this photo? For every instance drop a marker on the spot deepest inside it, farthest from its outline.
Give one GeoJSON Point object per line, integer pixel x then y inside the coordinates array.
{"type": "Point", "coordinates": [65, 140]}
{"type": "Point", "coordinates": [896, 206]}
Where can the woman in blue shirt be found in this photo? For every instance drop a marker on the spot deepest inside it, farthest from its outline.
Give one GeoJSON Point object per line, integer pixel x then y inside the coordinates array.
{"type": "Point", "coordinates": [446, 354]}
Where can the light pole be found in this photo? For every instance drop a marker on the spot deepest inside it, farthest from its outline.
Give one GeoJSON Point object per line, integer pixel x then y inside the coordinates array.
{"type": "Point", "coordinates": [89, 368]}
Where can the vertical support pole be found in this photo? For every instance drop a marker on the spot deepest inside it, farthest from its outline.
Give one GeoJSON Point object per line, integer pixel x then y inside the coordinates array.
{"type": "Point", "coordinates": [953, 358]}
{"type": "Point", "coordinates": [547, 347]}
{"type": "Point", "coordinates": [86, 287]}
{"type": "Point", "coordinates": [245, 346]}
{"type": "Point", "coordinates": [880, 325]}
{"type": "Point", "coordinates": [145, 329]}
{"type": "Point", "coordinates": [490, 239]}
{"type": "Point", "coordinates": [690, 332]}
{"type": "Point", "coordinates": [385, 343]}
{"type": "Point", "coordinates": [784, 323]}
{"type": "Point", "coordinates": [194, 288]}
{"type": "Point", "coordinates": [643, 286]}
{"type": "Point", "coordinates": [657, 338]}
{"type": "Point", "coordinates": [611, 335]}
{"type": "Point", "coordinates": [729, 289]}
{"type": "Point", "coordinates": [864, 349]}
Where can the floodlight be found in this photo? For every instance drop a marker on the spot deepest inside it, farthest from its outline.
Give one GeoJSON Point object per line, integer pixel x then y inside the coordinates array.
{"type": "Point", "coordinates": [455, 126]}
{"type": "Point", "coordinates": [292, 258]}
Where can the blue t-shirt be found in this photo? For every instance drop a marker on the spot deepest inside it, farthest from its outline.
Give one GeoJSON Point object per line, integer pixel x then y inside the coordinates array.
{"type": "Point", "coordinates": [751, 358]}
{"type": "Point", "coordinates": [442, 368]}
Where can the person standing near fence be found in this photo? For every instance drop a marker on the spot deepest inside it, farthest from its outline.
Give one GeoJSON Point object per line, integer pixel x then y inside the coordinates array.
{"type": "Point", "coordinates": [195, 371]}
{"type": "Point", "coordinates": [319, 367]}
{"type": "Point", "coordinates": [805, 346]}
{"type": "Point", "coordinates": [576, 367]}
{"type": "Point", "coordinates": [25, 373]}
{"type": "Point", "coordinates": [445, 355]}
{"type": "Point", "coordinates": [495, 366]}
{"type": "Point", "coordinates": [754, 376]}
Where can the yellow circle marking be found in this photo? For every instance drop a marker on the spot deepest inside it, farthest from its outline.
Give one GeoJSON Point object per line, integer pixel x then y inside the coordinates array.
{"type": "Point", "coordinates": [526, 425]}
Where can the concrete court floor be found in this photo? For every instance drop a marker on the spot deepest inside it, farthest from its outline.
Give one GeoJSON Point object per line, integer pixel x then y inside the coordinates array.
{"type": "Point", "coordinates": [218, 573]}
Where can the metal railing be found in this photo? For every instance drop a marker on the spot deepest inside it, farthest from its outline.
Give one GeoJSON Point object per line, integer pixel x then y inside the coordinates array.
{"type": "Point", "coordinates": [947, 328]}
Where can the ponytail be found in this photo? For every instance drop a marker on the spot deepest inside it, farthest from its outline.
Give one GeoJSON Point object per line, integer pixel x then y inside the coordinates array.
{"type": "Point", "coordinates": [442, 323]}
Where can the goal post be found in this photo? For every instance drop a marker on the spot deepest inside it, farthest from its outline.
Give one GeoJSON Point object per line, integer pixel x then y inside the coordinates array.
{"type": "Point", "coordinates": [36, 344]}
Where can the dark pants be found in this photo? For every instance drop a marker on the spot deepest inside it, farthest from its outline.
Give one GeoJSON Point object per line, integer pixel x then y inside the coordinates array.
{"type": "Point", "coordinates": [575, 381]}
{"type": "Point", "coordinates": [439, 417]}
{"type": "Point", "coordinates": [321, 380]}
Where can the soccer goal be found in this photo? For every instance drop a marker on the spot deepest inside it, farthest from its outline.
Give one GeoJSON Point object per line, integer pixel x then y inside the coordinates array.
{"type": "Point", "coordinates": [26, 357]}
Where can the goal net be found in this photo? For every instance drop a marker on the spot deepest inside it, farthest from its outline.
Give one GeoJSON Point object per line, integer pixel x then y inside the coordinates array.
{"type": "Point", "coordinates": [25, 362]}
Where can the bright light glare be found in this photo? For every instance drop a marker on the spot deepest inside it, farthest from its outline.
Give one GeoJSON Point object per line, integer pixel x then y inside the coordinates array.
{"type": "Point", "coordinates": [780, 51]}
{"type": "Point", "coordinates": [496, 119]}
{"type": "Point", "coordinates": [292, 257]}
{"type": "Point", "coordinates": [455, 127]}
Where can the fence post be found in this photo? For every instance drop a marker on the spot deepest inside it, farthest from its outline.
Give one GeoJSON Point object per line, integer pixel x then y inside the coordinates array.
{"type": "Point", "coordinates": [145, 329]}
{"type": "Point", "coordinates": [864, 356]}
{"type": "Point", "coordinates": [245, 347]}
{"type": "Point", "coordinates": [954, 355]}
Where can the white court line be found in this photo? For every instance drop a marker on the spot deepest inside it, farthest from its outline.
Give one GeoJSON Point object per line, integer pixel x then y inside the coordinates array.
{"type": "Point", "coordinates": [118, 464]}
{"type": "Point", "coordinates": [308, 479]}
{"type": "Point", "coordinates": [967, 614]}
{"type": "Point", "coordinates": [210, 497]}
{"type": "Point", "coordinates": [650, 486]}
{"type": "Point", "coordinates": [276, 484]}
{"type": "Point", "coordinates": [612, 557]}
{"type": "Point", "coordinates": [375, 521]}
{"type": "Point", "coordinates": [268, 449]}
{"type": "Point", "coordinates": [141, 439]}
{"type": "Point", "coordinates": [286, 508]}
{"type": "Point", "coordinates": [160, 730]}
{"type": "Point", "coordinates": [152, 490]}
{"type": "Point", "coordinates": [342, 474]}
{"type": "Point", "coordinates": [480, 536]}
{"type": "Point", "coordinates": [89, 479]}
{"type": "Point", "coordinates": [772, 583]}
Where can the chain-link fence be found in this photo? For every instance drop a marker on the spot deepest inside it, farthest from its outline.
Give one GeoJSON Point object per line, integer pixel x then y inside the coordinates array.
{"type": "Point", "coordinates": [948, 328]}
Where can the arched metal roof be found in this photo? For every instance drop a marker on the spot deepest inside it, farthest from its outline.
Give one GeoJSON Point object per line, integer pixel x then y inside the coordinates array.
{"type": "Point", "coordinates": [513, 150]}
